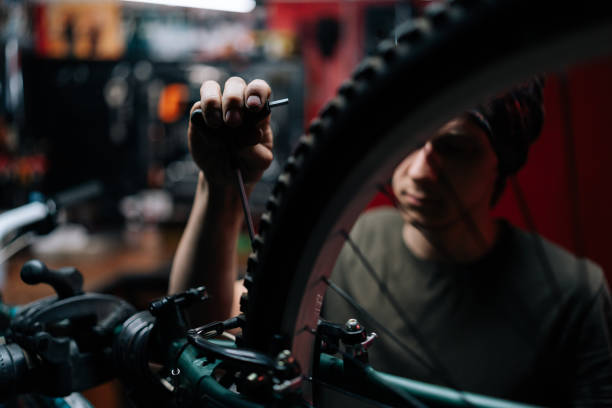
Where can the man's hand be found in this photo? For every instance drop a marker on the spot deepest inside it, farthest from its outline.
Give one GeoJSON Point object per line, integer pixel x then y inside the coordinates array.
{"type": "Point", "coordinates": [225, 136]}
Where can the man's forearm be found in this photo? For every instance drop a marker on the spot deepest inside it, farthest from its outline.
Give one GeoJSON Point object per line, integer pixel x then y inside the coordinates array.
{"type": "Point", "coordinates": [206, 254]}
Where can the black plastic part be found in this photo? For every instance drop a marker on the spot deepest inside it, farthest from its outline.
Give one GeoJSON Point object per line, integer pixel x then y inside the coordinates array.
{"type": "Point", "coordinates": [244, 356]}
{"type": "Point", "coordinates": [182, 300]}
{"type": "Point", "coordinates": [170, 313]}
{"type": "Point", "coordinates": [71, 339]}
{"type": "Point", "coordinates": [13, 371]}
{"type": "Point", "coordinates": [133, 348]}
{"type": "Point", "coordinates": [217, 328]}
{"type": "Point", "coordinates": [66, 282]}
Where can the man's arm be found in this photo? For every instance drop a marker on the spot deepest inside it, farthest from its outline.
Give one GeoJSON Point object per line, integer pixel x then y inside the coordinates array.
{"type": "Point", "coordinates": [206, 254]}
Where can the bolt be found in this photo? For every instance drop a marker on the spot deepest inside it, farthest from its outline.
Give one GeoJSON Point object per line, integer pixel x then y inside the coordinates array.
{"type": "Point", "coordinates": [352, 325]}
{"type": "Point", "coordinates": [252, 377]}
{"type": "Point", "coordinates": [175, 372]}
{"type": "Point", "coordinates": [283, 358]}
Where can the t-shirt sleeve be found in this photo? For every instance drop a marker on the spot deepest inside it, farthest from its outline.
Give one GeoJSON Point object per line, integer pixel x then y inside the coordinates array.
{"type": "Point", "coordinates": [593, 382]}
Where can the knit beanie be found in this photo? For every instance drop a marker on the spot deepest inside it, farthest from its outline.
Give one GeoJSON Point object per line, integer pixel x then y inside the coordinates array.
{"type": "Point", "coordinates": [512, 121]}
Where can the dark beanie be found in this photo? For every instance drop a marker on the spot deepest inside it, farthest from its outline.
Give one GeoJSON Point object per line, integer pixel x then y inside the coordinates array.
{"type": "Point", "coordinates": [513, 120]}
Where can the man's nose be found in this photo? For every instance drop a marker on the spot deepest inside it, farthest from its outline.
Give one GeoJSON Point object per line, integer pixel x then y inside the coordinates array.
{"type": "Point", "coordinates": [425, 165]}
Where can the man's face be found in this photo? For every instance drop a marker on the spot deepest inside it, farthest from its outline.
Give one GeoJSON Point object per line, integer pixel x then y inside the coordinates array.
{"type": "Point", "coordinates": [453, 173]}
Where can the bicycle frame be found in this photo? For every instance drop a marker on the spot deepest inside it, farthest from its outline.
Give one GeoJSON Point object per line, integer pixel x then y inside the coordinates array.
{"type": "Point", "coordinates": [198, 373]}
{"type": "Point", "coordinates": [191, 374]}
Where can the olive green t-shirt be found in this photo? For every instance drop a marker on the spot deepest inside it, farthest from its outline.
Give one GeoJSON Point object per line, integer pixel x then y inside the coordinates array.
{"type": "Point", "coordinates": [529, 321]}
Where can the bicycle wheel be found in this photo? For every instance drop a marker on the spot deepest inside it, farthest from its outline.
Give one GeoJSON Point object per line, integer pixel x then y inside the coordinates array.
{"type": "Point", "coordinates": [442, 64]}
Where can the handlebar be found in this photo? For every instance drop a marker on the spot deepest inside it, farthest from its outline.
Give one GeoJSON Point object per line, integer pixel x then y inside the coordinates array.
{"type": "Point", "coordinates": [60, 344]}
{"type": "Point", "coordinates": [25, 215]}
{"type": "Point", "coordinates": [31, 214]}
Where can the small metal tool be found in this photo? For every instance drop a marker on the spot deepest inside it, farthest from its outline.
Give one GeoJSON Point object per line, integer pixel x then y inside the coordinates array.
{"type": "Point", "coordinates": [278, 102]}
{"type": "Point", "coordinates": [251, 118]}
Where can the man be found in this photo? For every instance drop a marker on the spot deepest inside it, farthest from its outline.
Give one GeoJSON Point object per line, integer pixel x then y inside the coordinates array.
{"type": "Point", "coordinates": [473, 302]}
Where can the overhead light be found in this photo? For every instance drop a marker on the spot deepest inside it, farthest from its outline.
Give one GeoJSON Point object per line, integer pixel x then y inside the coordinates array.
{"type": "Point", "coordinates": [237, 6]}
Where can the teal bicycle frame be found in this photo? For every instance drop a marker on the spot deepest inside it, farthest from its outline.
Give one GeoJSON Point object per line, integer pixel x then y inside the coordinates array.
{"type": "Point", "coordinates": [196, 373]}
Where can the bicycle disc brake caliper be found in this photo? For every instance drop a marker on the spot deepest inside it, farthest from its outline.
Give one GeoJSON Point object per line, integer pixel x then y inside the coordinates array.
{"type": "Point", "coordinates": [255, 373]}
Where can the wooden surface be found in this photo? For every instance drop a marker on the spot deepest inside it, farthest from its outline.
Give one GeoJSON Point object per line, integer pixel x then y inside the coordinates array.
{"type": "Point", "coordinates": [117, 254]}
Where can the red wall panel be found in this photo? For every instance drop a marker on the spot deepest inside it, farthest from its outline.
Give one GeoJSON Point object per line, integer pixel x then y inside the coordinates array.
{"type": "Point", "coordinates": [567, 179]}
{"type": "Point", "coordinates": [323, 75]}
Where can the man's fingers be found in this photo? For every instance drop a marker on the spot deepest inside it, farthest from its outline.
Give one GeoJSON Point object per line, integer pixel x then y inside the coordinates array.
{"type": "Point", "coordinates": [256, 94]}
{"type": "Point", "coordinates": [233, 101]}
{"type": "Point", "coordinates": [210, 94]}
{"type": "Point", "coordinates": [196, 105]}
{"type": "Point", "coordinates": [255, 158]}
{"type": "Point", "coordinates": [227, 133]}
{"type": "Point", "coordinates": [194, 119]}
{"type": "Point", "coordinates": [249, 138]}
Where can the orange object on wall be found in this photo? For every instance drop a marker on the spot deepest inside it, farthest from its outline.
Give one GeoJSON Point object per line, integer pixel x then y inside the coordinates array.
{"type": "Point", "coordinates": [172, 102]}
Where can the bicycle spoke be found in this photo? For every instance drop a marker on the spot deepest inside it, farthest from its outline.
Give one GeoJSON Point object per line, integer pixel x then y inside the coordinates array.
{"type": "Point", "coordinates": [303, 402]}
{"type": "Point", "coordinates": [539, 243]}
{"type": "Point", "coordinates": [438, 370]}
{"type": "Point", "coordinates": [463, 210]}
{"type": "Point", "coordinates": [400, 393]}
{"type": "Point", "coordinates": [382, 286]}
{"type": "Point", "coordinates": [571, 165]}
{"type": "Point", "coordinates": [572, 175]}
{"type": "Point", "coordinates": [374, 322]}
{"type": "Point", "coordinates": [441, 250]}
{"type": "Point", "coordinates": [479, 237]}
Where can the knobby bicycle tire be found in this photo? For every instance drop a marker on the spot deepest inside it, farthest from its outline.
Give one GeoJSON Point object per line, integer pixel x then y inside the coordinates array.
{"type": "Point", "coordinates": [439, 66]}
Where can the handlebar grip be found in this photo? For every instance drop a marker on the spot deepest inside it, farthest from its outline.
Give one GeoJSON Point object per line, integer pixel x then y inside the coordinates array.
{"type": "Point", "coordinates": [14, 371]}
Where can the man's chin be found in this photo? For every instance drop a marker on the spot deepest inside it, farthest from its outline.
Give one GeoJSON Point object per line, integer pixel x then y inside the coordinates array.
{"type": "Point", "coordinates": [432, 221]}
